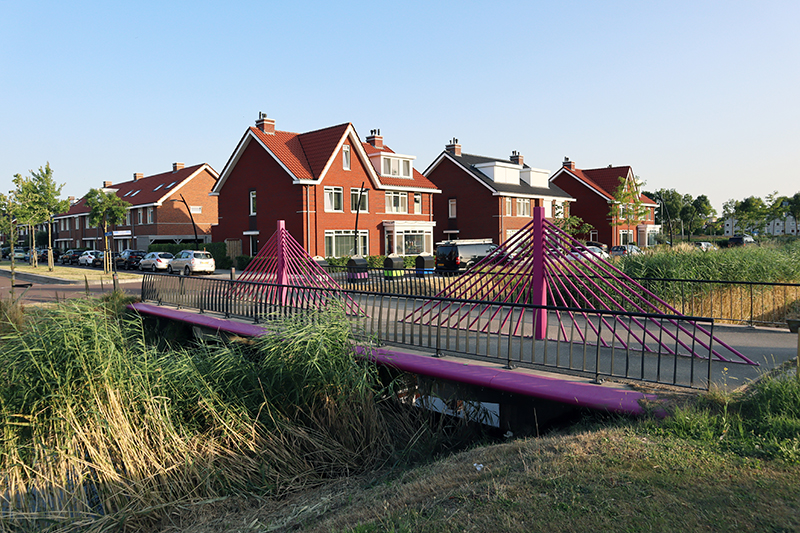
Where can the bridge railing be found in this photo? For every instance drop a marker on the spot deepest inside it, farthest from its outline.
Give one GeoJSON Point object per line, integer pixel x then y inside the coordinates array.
{"type": "Point", "coordinates": [658, 348]}
{"type": "Point", "coordinates": [734, 302]}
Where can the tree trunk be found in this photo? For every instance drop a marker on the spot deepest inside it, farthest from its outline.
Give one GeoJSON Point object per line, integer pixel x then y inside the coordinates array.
{"type": "Point", "coordinates": [50, 247]}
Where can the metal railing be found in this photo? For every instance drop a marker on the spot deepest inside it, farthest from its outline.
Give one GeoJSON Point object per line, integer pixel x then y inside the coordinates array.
{"type": "Point", "coordinates": [735, 302]}
{"type": "Point", "coordinates": [659, 348]}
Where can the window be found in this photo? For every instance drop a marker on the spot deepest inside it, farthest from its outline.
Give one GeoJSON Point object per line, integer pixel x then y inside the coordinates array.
{"type": "Point", "coordinates": [139, 216]}
{"type": "Point", "coordinates": [346, 157]}
{"type": "Point", "coordinates": [523, 207]}
{"type": "Point", "coordinates": [252, 203]}
{"type": "Point", "coordinates": [400, 168]}
{"type": "Point", "coordinates": [396, 202]}
{"type": "Point", "coordinates": [128, 218]}
{"type": "Point", "coordinates": [626, 237]}
{"type": "Point", "coordinates": [417, 203]}
{"type": "Point", "coordinates": [354, 205]}
{"type": "Point", "coordinates": [149, 215]}
{"type": "Point", "coordinates": [253, 245]}
{"type": "Point", "coordinates": [451, 208]}
{"type": "Point", "coordinates": [409, 241]}
{"type": "Point", "coordinates": [196, 209]}
{"type": "Point", "coordinates": [334, 199]}
{"type": "Point", "coordinates": [339, 243]}
{"type": "Point", "coordinates": [508, 207]}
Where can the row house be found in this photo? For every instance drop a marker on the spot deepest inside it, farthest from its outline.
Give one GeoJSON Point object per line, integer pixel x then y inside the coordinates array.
{"type": "Point", "coordinates": [165, 208]}
{"type": "Point", "coordinates": [489, 198]}
{"type": "Point", "coordinates": [776, 226]}
{"type": "Point", "coordinates": [594, 190]}
{"type": "Point", "coordinates": [338, 196]}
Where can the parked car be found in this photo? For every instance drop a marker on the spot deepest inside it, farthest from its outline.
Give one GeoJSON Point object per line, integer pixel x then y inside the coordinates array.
{"type": "Point", "coordinates": [129, 259]}
{"type": "Point", "coordinates": [625, 249]}
{"type": "Point", "coordinates": [101, 257]}
{"type": "Point", "coordinates": [155, 261]}
{"type": "Point", "coordinates": [191, 262]}
{"type": "Point", "coordinates": [452, 256]}
{"type": "Point", "coordinates": [89, 257]}
{"type": "Point", "coordinates": [741, 240]}
{"type": "Point", "coordinates": [592, 253]}
{"type": "Point", "coordinates": [43, 255]}
{"type": "Point", "coordinates": [70, 257]}
{"type": "Point", "coordinates": [704, 246]}
{"type": "Point", "coordinates": [600, 245]}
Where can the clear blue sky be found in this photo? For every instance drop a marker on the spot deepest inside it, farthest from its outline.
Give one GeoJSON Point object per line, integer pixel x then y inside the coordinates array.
{"type": "Point", "coordinates": [697, 96]}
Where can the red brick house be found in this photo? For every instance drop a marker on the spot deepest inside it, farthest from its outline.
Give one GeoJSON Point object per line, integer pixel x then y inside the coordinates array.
{"type": "Point", "coordinates": [157, 213]}
{"type": "Point", "coordinates": [594, 191]}
{"type": "Point", "coordinates": [489, 198]}
{"type": "Point", "coordinates": [313, 181]}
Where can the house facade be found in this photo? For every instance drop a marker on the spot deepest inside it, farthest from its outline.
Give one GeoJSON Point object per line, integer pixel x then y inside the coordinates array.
{"type": "Point", "coordinates": [489, 198]}
{"type": "Point", "coordinates": [339, 196]}
{"type": "Point", "coordinates": [594, 190]}
{"type": "Point", "coordinates": [787, 226]}
{"type": "Point", "coordinates": [165, 208]}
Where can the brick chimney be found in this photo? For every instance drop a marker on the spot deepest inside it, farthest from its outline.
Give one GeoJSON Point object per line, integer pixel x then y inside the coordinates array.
{"type": "Point", "coordinates": [569, 165]}
{"type": "Point", "coordinates": [375, 139]}
{"type": "Point", "coordinates": [137, 176]}
{"type": "Point", "coordinates": [71, 200]}
{"type": "Point", "coordinates": [267, 125]}
{"type": "Point", "coordinates": [107, 184]}
{"type": "Point", "coordinates": [454, 148]}
{"type": "Point", "coordinates": [177, 166]}
{"type": "Point", "coordinates": [516, 158]}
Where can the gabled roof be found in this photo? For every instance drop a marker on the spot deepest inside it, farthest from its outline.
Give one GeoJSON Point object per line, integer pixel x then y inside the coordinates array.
{"type": "Point", "coordinates": [468, 163]}
{"type": "Point", "coordinates": [306, 157]}
{"type": "Point", "coordinates": [604, 181]}
{"type": "Point", "coordinates": [149, 191]}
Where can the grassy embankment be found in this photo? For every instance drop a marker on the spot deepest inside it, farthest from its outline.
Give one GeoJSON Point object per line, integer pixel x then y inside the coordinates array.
{"type": "Point", "coordinates": [69, 273]}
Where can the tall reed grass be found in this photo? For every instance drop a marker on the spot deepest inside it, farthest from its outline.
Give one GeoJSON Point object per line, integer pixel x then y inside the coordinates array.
{"type": "Point", "coordinates": [107, 431]}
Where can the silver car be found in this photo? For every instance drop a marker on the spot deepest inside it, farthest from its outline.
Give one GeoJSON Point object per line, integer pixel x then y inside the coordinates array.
{"type": "Point", "coordinates": [192, 261]}
{"type": "Point", "coordinates": [155, 261]}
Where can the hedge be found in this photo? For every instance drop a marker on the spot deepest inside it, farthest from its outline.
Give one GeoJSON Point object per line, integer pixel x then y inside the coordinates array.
{"type": "Point", "coordinates": [373, 261]}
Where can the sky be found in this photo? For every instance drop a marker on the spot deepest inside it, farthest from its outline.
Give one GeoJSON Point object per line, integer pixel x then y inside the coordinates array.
{"type": "Point", "coordinates": [696, 96]}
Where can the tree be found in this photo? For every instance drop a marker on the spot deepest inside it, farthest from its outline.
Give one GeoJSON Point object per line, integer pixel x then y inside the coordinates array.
{"type": "Point", "coordinates": [105, 209]}
{"type": "Point", "coordinates": [668, 210]}
{"type": "Point", "coordinates": [695, 211]}
{"type": "Point", "coordinates": [794, 209]}
{"type": "Point", "coordinates": [26, 212]}
{"type": "Point", "coordinates": [9, 209]}
{"type": "Point", "coordinates": [47, 203]}
{"type": "Point", "coordinates": [571, 225]}
{"type": "Point", "coordinates": [778, 209]}
{"type": "Point", "coordinates": [751, 214]}
{"type": "Point", "coordinates": [627, 209]}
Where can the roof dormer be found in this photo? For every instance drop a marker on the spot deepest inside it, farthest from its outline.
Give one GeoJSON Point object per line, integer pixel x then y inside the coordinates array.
{"type": "Point", "coordinates": [391, 165]}
{"type": "Point", "coordinates": [501, 171]}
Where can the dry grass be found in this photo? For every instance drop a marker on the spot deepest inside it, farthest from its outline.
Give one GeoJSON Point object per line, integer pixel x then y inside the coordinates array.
{"type": "Point", "coordinates": [607, 480]}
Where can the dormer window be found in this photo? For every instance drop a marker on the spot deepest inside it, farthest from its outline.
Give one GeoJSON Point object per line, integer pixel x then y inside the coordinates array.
{"type": "Point", "coordinates": [161, 185]}
{"type": "Point", "coordinates": [396, 167]}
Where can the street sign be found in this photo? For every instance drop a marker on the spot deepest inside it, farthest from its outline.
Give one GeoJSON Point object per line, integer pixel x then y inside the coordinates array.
{"type": "Point", "coordinates": [120, 233]}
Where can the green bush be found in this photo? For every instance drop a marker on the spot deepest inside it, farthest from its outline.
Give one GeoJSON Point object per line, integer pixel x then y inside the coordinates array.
{"type": "Point", "coordinates": [373, 261]}
{"type": "Point", "coordinates": [242, 261]}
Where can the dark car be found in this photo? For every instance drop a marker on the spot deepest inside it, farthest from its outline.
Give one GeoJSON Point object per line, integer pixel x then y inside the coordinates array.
{"type": "Point", "coordinates": [98, 262]}
{"type": "Point", "coordinates": [43, 255]}
{"type": "Point", "coordinates": [741, 240]}
{"type": "Point", "coordinates": [70, 257]}
{"type": "Point", "coordinates": [129, 259]}
{"type": "Point", "coordinates": [454, 256]}
{"type": "Point", "coordinates": [625, 249]}
{"type": "Point", "coordinates": [600, 245]}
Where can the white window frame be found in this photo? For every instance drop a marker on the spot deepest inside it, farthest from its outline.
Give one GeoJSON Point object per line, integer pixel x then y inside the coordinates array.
{"type": "Point", "coordinates": [523, 207]}
{"type": "Point", "coordinates": [345, 240]}
{"type": "Point", "coordinates": [508, 206]}
{"type": "Point", "coordinates": [345, 157]}
{"type": "Point", "coordinates": [417, 203]}
{"type": "Point", "coordinates": [395, 167]}
{"type": "Point", "coordinates": [451, 208]}
{"type": "Point", "coordinates": [196, 209]}
{"type": "Point", "coordinates": [397, 202]}
{"type": "Point", "coordinates": [251, 202]}
{"type": "Point", "coordinates": [150, 215]}
{"type": "Point", "coordinates": [364, 207]}
{"type": "Point", "coordinates": [140, 216]}
{"type": "Point", "coordinates": [331, 194]}
{"type": "Point", "coordinates": [127, 218]}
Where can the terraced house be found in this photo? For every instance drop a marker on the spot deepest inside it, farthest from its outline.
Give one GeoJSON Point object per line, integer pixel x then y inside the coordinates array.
{"type": "Point", "coordinates": [165, 208]}
{"type": "Point", "coordinates": [339, 196]}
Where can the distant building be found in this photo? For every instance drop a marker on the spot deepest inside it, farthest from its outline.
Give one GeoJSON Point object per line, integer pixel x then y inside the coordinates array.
{"type": "Point", "coordinates": [593, 190]}
{"type": "Point", "coordinates": [489, 198]}
{"type": "Point", "coordinates": [157, 214]}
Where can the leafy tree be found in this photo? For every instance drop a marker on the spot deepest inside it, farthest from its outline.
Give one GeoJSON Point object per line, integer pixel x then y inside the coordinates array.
{"type": "Point", "coordinates": [571, 225]}
{"type": "Point", "coordinates": [47, 203]}
{"type": "Point", "coordinates": [669, 207]}
{"type": "Point", "coordinates": [794, 209]}
{"type": "Point", "coordinates": [778, 208]}
{"type": "Point", "coordinates": [106, 209]}
{"type": "Point", "coordinates": [751, 214]}
{"type": "Point", "coordinates": [9, 209]}
{"type": "Point", "coordinates": [695, 211]}
{"type": "Point", "coordinates": [627, 209]}
{"type": "Point", "coordinates": [27, 212]}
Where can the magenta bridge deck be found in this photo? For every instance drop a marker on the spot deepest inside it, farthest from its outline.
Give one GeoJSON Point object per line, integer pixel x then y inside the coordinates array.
{"type": "Point", "coordinates": [563, 389]}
